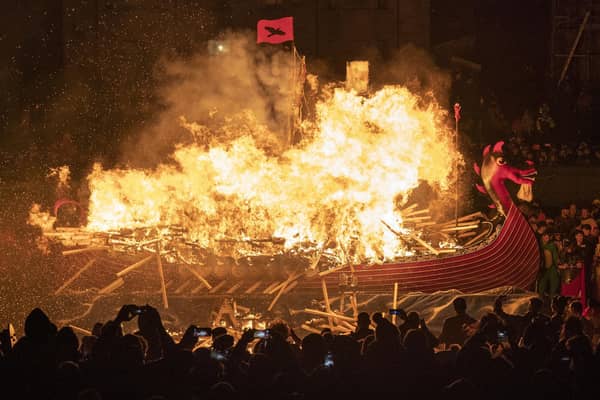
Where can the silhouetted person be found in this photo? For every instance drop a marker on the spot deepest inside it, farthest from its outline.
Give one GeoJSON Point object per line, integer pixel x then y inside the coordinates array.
{"type": "Point", "coordinates": [363, 328]}
{"type": "Point", "coordinates": [454, 328]}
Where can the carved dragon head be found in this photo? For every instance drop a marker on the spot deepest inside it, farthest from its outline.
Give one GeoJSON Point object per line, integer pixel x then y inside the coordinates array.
{"type": "Point", "coordinates": [494, 171]}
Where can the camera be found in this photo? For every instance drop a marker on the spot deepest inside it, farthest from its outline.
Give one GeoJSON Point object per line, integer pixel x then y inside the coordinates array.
{"type": "Point", "coordinates": [202, 332]}
{"type": "Point", "coordinates": [328, 363]}
{"type": "Point", "coordinates": [262, 334]}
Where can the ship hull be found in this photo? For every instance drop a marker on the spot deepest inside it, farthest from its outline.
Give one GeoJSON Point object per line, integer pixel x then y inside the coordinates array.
{"type": "Point", "coordinates": [512, 259]}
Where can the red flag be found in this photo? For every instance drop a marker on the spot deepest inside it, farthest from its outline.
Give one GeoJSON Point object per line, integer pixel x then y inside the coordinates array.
{"type": "Point", "coordinates": [457, 112]}
{"type": "Point", "coordinates": [275, 30]}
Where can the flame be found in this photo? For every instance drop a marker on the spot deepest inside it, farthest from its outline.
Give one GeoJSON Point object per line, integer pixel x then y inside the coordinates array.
{"type": "Point", "coordinates": [357, 163]}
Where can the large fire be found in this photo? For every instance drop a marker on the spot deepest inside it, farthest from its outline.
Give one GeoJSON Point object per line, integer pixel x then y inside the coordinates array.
{"type": "Point", "coordinates": [352, 171]}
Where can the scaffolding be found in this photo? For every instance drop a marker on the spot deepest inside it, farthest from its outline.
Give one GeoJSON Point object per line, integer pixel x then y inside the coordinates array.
{"type": "Point", "coordinates": [575, 42]}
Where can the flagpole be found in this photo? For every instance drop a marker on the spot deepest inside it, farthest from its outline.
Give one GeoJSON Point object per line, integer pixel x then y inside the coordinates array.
{"type": "Point", "coordinates": [456, 118]}
{"type": "Point", "coordinates": [293, 95]}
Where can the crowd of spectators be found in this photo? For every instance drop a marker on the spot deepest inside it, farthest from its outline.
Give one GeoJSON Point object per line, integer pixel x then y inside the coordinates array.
{"type": "Point", "coordinates": [571, 251]}
{"type": "Point", "coordinates": [500, 355]}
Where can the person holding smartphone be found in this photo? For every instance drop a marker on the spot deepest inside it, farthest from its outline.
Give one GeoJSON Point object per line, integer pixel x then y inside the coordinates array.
{"type": "Point", "coordinates": [454, 328]}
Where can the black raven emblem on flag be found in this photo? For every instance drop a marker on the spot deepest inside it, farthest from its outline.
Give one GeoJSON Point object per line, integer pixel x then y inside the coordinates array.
{"type": "Point", "coordinates": [274, 31]}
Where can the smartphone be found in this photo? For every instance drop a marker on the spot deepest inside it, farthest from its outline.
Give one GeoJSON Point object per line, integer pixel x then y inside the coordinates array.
{"type": "Point", "coordinates": [328, 363]}
{"type": "Point", "coordinates": [138, 311]}
{"type": "Point", "coordinates": [261, 334]}
{"type": "Point", "coordinates": [502, 337]}
{"type": "Point", "coordinates": [202, 332]}
{"type": "Point", "coordinates": [565, 359]}
{"type": "Point", "coordinates": [217, 355]}
{"type": "Point", "coordinates": [395, 311]}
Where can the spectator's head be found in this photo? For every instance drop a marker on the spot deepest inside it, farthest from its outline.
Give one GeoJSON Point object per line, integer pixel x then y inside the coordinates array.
{"type": "Point", "coordinates": [87, 345]}
{"type": "Point", "coordinates": [313, 347]}
{"type": "Point", "coordinates": [377, 318]}
{"type": "Point", "coordinates": [545, 237]}
{"type": "Point", "coordinates": [535, 305]}
{"type": "Point", "coordinates": [460, 305]}
{"type": "Point", "coordinates": [572, 327]}
{"type": "Point", "coordinates": [281, 328]}
{"type": "Point", "coordinates": [564, 212]}
{"type": "Point", "coordinates": [38, 326]}
{"type": "Point", "coordinates": [149, 322]}
{"type": "Point", "coordinates": [541, 227]}
{"type": "Point", "coordinates": [576, 309]}
{"type": "Point", "coordinates": [586, 229]}
{"type": "Point", "coordinates": [67, 345]}
{"type": "Point", "coordinates": [223, 343]}
{"type": "Point", "coordinates": [585, 213]}
{"type": "Point", "coordinates": [415, 342]}
{"type": "Point", "coordinates": [129, 352]}
{"type": "Point", "coordinates": [327, 336]}
{"type": "Point", "coordinates": [363, 321]}
{"type": "Point", "coordinates": [596, 230]}
{"type": "Point", "coordinates": [572, 210]}
{"type": "Point", "coordinates": [346, 351]}
{"type": "Point", "coordinates": [559, 304]}
{"type": "Point", "coordinates": [579, 237]}
{"type": "Point", "coordinates": [97, 329]}
{"type": "Point", "coordinates": [218, 331]}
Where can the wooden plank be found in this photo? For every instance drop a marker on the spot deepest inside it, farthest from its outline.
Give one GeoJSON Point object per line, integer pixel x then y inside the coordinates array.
{"type": "Point", "coordinates": [253, 287]}
{"type": "Point", "coordinates": [75, 276]}
{"type": "Point", "coordinates": [161, 275]}
{"type": "Point", "coordinates": [197, 275]}
{"type": "Point", "coordinates": [219, 286]}
{"type": "Point", "coordinates": [326, 314]}
{"type": "Point", "coordinates": [133, 266]}
{"type": "Point", "coordinates": [112, 286]}
{"type": "Point", "coordinates": [85, 250]}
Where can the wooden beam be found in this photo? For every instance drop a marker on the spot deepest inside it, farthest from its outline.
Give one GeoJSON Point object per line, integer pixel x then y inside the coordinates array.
{"type": "Point", "coordinates": [326, 314]}
{"type": "Point", "coordinates": [234, 287]}
{"type": "Point", "coordinates": [219, 286]}
{"type": "Point", "coordinates": [197, 275]}
{"type": "Point", "coordinates": [84, 250]}
{"type": "Point", "coordinates": [326, 299]}
{"type": "Point", "coordinates": [253, 287]}
{"type": "Point", "coordinates": [75, 276]}
{"type": "Point", "coordinates": [112, 286]}
{"type": "Point", "coordinates": [135, 265]}
{"type": "Point", "coordinates": [274, 301]}
{"type": "Point", "coordinates": [161, 275]}
{"type": "Point", "coordinates": [332, 270]}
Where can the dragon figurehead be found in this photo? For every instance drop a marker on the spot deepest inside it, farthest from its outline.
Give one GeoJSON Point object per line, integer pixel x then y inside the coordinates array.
{"type": "Point", "coordinates": [494, 171]}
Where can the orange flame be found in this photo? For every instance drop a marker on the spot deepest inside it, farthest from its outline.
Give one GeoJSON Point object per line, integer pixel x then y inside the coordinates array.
{"type": "Point", "coordinates": [331, 191]}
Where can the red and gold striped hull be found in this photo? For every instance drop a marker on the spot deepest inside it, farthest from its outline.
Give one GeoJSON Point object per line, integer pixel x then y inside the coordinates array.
{"type": "Point", "coordinates": [512, 259]}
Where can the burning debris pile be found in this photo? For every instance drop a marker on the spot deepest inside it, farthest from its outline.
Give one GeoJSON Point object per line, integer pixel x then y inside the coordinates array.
{"type": "Point", "coordinates": [224, 206]}
{"type": "Point", "coordinates": [354, 168]}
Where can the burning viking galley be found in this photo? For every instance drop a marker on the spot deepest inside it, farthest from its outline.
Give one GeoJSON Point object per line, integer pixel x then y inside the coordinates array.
{"type": "Point", "coordinates": [310, 217]}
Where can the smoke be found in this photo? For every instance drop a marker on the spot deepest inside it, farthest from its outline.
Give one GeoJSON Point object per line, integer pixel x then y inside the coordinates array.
{"type": "Point", "coordinates": [242, 84]}
{"type": "Point", "coordinates": [415, 69]}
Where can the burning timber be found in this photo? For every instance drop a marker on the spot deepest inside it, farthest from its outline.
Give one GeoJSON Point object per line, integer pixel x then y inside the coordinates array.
{"type": "Point", "coordinates": [248, 266]}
